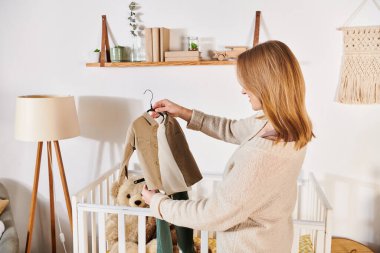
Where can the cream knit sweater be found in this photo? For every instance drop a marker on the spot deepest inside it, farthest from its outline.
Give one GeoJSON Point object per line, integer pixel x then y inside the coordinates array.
{"type": "Point", "coordinates": [251, 208]}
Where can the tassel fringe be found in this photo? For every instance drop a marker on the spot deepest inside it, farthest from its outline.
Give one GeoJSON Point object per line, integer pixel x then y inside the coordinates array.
{"type": "Point", "coordinates": [360, 70]}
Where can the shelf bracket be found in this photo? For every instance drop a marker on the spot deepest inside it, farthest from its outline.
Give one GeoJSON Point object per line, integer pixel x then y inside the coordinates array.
{"type": "Point", "coordinates": [257, 28]}
{"type": "Point", "coordinates": [105, 46]}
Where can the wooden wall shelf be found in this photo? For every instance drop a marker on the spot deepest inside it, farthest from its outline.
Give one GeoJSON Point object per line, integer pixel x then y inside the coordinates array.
{"type": "Point", "coordinates": [105, 52]}
{"type": "Point", "coordinates": [157, 64]}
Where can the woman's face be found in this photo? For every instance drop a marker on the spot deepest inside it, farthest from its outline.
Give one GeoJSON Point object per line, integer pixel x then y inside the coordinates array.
{"type": "Point", "coordinates": [255, 102]}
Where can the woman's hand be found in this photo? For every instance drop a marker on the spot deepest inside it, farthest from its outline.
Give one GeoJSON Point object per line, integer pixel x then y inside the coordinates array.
{"type": "Point", "coordinates": [147, 195]}
{"type": "Point", "coordinates": [172, 109]}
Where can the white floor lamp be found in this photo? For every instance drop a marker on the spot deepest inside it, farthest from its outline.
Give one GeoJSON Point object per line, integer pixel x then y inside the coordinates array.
{"type": "Point", "coordinates": [45, 118]}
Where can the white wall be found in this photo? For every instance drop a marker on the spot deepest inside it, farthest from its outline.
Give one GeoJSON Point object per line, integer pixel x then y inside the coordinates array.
{"type": "Point", "coordinates": [43, 49]}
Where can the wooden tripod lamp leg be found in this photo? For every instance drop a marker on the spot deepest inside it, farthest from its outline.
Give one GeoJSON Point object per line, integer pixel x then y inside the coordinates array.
{"type": "Point", "coordinates": [34, 198]}
{"type": "Point", "coordinates": [51, 193]}
{"type": "Point", "coordinates": [64, 182]}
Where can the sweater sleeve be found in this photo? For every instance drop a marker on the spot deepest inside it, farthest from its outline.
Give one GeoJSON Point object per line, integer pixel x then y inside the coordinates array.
{"type": "Point", "coordinates": [242, 194]}
{"type": "Point", "coordinates": [232, 131]}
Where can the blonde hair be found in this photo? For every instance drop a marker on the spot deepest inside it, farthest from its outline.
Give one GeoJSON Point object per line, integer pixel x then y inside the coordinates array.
{"type": "Point", "coordinates": [272, 73]}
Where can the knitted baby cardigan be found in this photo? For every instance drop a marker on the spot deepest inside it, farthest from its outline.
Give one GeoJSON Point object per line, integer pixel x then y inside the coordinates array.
{"type": "Point", "coordinates": [251, 208]}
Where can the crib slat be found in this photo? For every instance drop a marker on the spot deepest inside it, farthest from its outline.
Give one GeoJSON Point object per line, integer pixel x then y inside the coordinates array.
{"type": "Point", "coordinates": [317, 241]}
{"type": "Point", "coordinates": [93, 232]}
{"type": "Point", "coordinates": [93, 225]}
{"type": "Point", "coordinates": [108, 191]}
{"type": "Point", "coordinates": [314, 207]}
{"type": "Point", "coordinates": [141, 234]}
{"type": "Point", "coordinates": [92, 197]}
{"type": "Point", "coordinates": [299, 202]}
{"type": "Point", "coordinates": [121, 232]}
{"type": "Point", "coordinates": [204, 241]}
{"type": "Point", "coordinates": [328, 225]}
{"type": "Point", "coordinates": [296, 239]}
{"type": "Point", "coordinates": [310, 201]}
{"type": "Point", "coordinates": [75, 224]}
{"type": "Point", "coordinates": [101, 193]}
{"type": "Point", "coordinates": [83, 236]}
{"type": "Point", "coordinates": [113, 181]}
{"type": "Point", "coordinates": [102, 232]}
{"type": "Point", "coordinates": [218, 247]}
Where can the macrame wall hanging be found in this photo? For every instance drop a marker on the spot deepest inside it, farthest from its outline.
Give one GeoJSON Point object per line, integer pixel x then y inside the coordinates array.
{"type": "Point", "coordinates": [360, 70]}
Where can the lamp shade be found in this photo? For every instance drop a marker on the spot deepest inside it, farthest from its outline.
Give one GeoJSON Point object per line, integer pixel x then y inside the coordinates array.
{"type": "Point", "coordinates": [45, 118]}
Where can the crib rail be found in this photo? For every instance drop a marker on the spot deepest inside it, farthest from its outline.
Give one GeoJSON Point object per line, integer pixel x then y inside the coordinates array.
{"type": "Point", "coordinates": [92, 204]}
{"type": "Point", "coordinates": [312, 216]}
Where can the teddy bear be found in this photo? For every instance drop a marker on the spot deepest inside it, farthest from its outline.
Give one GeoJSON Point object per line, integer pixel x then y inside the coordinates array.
{"type": "Point", "coordinates": [211, 245]}
{"type": "Point", "coordinates": [128, 193]}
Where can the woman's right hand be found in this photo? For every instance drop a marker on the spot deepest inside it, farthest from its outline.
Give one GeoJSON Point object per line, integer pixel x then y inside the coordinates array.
{"type": "Point", "coordinates": [172, 109]}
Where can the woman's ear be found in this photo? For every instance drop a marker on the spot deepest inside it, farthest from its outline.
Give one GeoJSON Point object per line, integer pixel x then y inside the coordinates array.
{"type": "Point", "coordinates": [115, 189]}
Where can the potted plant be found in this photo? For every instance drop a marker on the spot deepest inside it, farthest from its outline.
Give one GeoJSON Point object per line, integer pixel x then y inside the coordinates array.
{"type": "Point", "coordinates": [192, 44]}
{"type": "Point", "coordinates": [94, 55]}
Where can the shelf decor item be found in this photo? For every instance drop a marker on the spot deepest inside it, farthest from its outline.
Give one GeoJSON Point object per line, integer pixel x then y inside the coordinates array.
{"type": "Point", "coordinates": [192, 43]}
{"type": "Point", "coordinates": [232, 53]}
{"type": "Point", "coordinates": [157, 40]}
{"type": "Point", "coordinates": [136, 54]}
{"type": "Point", "coordinates": [118, 54]}
{"type": "Point", "coordinates": [182, 56]}
{"type": "Point", "coordinates": [45, 118]}
{"type": "Point", "coordinates": [94, 56]}
{"type": "Point", "coordinates": [132, 19]}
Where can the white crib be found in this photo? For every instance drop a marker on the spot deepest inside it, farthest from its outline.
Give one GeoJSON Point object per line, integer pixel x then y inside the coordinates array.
{"type": "Point", "coordinates": [91, 205]}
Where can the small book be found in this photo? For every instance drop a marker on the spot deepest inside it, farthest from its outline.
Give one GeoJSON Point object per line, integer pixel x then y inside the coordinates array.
{"type": "Point", "coordinates": [196, 58]}
{"type": "Point", "coordinates": [164, 42]}
{"type": "Point", "coordinates": [182, 54]}
{"type": "Point", "coordinates": [148, 45]}
{"type": "Point", "coordinates": [156, 44]}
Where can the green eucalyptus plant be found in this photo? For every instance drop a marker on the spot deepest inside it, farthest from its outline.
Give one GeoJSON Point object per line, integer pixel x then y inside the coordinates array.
{"type": "Point", "coordinates": [136, 31]}
{"type": "Point", "coordinates": [132, 19]}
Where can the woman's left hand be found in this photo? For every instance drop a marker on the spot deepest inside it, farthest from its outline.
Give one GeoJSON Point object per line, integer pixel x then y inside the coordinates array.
{"type": "Point", "coordinates": [147, 195]}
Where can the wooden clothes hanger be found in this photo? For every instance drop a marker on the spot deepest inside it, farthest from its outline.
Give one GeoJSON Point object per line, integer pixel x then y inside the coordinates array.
{"type": "Point", "coordinates": [356, 12]}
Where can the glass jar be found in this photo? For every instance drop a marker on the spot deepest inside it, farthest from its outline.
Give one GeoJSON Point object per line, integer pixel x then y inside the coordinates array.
{"type": "Point", "coordinates": [137, 53]}
{"type": "Point", "coordinates": [192, 44]}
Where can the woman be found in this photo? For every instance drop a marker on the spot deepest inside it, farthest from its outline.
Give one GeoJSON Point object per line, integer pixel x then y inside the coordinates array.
{"type": "Point", "coordinates": [252, 207]}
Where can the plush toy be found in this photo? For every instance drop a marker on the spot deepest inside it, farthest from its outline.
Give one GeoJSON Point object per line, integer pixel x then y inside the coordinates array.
{"type": "Point", "coordinates": [127, 193]}
{"type": "Point", "coordinates": [211, 245]}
